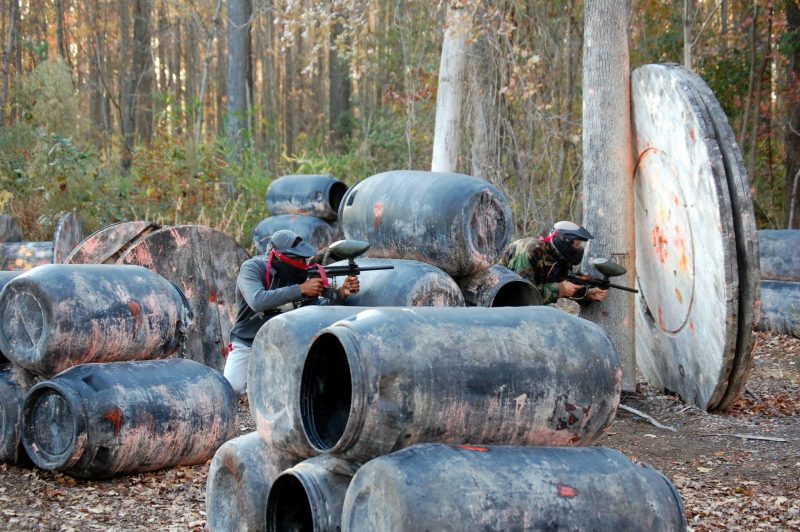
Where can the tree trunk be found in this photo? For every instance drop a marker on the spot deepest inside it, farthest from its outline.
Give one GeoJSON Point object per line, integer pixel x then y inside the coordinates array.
{"type": "Point", "coordinates": [177, 79]}
{"type": "Point", "coordinates": [7, 52]}
{"type": "Point", "coordinates": [687, 34]}
{"type": "Point", "coordinates": [239, 12]}
{"type": "Point", "coordinates": [143, 70]}
{"type": "Point", "coordinates": [219, 82]}
{"type": "Point", "coordinates": [95, 74]}
{"type": "Point", "coordinates": [339, 90]}
{"type": "Point", "coordinates": [211, 34]}
{"type": "Point", "coordinates": [127, 89]}
{"type": "Point", "coordinates": [446, 137]}
{"type": "Point", "coordinates": [61, 43]}
{"type": "Point", "coordinates": [791, 207]}
{"type": "Point", "coordinates": [608, 167]}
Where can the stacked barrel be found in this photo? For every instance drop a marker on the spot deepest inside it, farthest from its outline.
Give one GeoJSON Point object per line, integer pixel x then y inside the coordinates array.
{"type": "Point", "coordinates": [16, 254]}
{"type": "Point", "coordinates": [780, 281]}
{"type": "Point", "coordinates": [437, 416]}
{"type": "Point", "coordinates": [89, 390]}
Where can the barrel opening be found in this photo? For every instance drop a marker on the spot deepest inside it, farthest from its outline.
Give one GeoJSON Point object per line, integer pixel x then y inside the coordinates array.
{"type": "Point", "coordinates": [516, 294]}
{"type": "Point", "coordinates": [325, 392]}
{"type": "Point", "coordinates": [336, 194]}
{"type": "Point", "coordinates": [49, 427]}
{"type": "Point", "coordinates": [288, 507]}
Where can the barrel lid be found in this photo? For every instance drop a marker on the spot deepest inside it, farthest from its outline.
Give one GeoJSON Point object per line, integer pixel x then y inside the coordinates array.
{"type": "Point", "coordinates": [22, 323]}
{"type": "Point", "coordinates": [54, 425]}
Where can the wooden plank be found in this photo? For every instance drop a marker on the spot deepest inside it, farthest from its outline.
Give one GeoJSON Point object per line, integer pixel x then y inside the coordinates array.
{"type": "Point", "coordinates": [686, 267]}
{"type": "Point", "coordinates": [105, 245]}
{"type": "Point", "coordinates": [69, 233]}
{"type": "Point", "coordinates": [204, 263]}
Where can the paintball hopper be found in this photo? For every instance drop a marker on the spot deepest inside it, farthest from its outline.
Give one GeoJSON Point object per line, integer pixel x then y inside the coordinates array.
{"type": "Point", "coordinates": [609, 268]}
{"type": "Point", "coordinates": [348, 249]}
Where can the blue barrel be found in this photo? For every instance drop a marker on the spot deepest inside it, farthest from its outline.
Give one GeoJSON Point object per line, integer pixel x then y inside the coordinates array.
{"type": "Point", "coordinates": [779, 251]}
{"type": "Point", "coordinates": [275, 370]}
{"type": "Point", "coordinates": [61, 315]}
{"type": "Point", "coordinates": [313, 195]}
{"type": "Point", "coordinates": [310, 495]}
{"type": "Point", "coordinates": [442, 487]}
{"type": "Point", "coordinates": [388, 378]}
{"type": "Point", "coordinates": [14, 383]}
{"type": "Point", "coordinates": [458, 223]}
{"type": "Point", "coordinates": [103, 420]}
{"type": "Point", "coordinates": [780, 307]}
{"type": "Point", "coordinates": [410, 284]}
{"type": "Point", "coordinates": [239, 478]}
{"type": "Point", "coordinates": [315, 231]}
{"type": "Point", "coordinates": [498, 287]}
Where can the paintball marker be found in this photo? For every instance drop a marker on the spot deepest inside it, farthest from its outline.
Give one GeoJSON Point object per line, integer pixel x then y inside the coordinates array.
{"type": "Point", "coordinates": [607, 268]}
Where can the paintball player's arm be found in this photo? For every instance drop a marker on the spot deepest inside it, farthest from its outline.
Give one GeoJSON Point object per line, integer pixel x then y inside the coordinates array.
{"type": "Point", "coordinates": [350, 286]}
{"type": "Point", "coordinates": [251, 283]}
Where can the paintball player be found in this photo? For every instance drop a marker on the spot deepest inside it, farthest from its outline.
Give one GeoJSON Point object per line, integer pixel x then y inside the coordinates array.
{"type": "Point", "coordinates": [546, 262]}
{"type": "Point", "coordinates": [268, 285]}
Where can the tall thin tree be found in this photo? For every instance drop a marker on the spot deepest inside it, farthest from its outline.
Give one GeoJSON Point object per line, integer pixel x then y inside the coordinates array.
{"type": "Point", "coordinates": [238, 78]}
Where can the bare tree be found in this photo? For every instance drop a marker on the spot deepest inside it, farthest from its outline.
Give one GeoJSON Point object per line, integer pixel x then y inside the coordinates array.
{"type": "Point", "coordinates": [238, 78]}
{"type": "Point", "coordinates": [791, 136]}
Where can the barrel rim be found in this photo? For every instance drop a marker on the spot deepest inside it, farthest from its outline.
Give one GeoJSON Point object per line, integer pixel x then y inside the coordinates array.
{"type": "Point", "coordinates": [315, 498]}
{"type": "Point", "coordinates": [31, 358]}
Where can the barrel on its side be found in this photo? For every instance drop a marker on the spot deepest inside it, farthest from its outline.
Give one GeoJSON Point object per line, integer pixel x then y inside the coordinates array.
{"type": "Point", "coordinates": [5, 277]}
{"type": "Point", "coordinates": [310, 495]}
{"type": "Point", "coordinates": [780, 307]}
{"type": "Point", "coordinates": [458, 223]}
{"type": "Point", "coordinates": [25, 255]}
{"type": "Point", "coordinates": [60, 315]}
{"type": "Point", "coordinates": [779, 254]}
{"type": "Point", "coordinates": [10, 231]}
{"type": "Point", "coordinates": [275, 370]}
{"type": "Point", "coordinates": [239, 479]}
{"type": "Point", "coordinates": [315, 231]}
{"type": "Point", "coordinates": [14, 383]}
{"type": "Point", "coordinates": [392, 377]}
{"type": "Point", "coordinates": [313, 195]}
{"type": "Point", "coordinates": [498, 287]}
{"type": "Point", "coordinates": [103, 420]}
{"type": "Point", "coordinates": [441, 487]}
{"type": "Point", "coordinates": [410, 284]}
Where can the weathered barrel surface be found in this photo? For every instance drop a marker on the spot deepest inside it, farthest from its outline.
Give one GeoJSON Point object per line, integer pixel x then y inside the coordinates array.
{"type": "Point", "coordinates": [61, 315]}
{"type": "Point", "coordinates": [105, 245]}
{"type": "Point", "coordinates": [315, 231]}
{"type": "Point", "coordinates": [313, 195]}
{"type": "Point", "coordinates": [275, 370]}
{"type": "Point", "coordinates": [780, 307]}
{"type": "Point", "coordinates": [102, 420]}
{"type": "Point", "coordinates": [455, 222]}
{"type": "Point", "coordinates": [204, 263]}
{"type": "Point", "coordinates": [498, 287]}
{"type": "Point", "coordinates": [388, 378]}
{"type": "Point", "coordinates": [410, 284]}
{"type": "Point", "coordinates": [14, 384]}
{"type": "Point", "coordinates": [780, 254]}
{"type": "Point", "coordinates": [5, 277]}
{"type": "Point", "coordinates": [10, 231]}
{"type": "Point", "coordinates": [441, 487]}
{"type": "Point", "coordinates": [310, 495]}
{"type": "Point", "coordinates": [239, 479]}
{"type": "Point", "coordinates": [25, 255]}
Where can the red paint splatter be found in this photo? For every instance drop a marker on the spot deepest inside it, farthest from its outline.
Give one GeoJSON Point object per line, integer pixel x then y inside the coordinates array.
{"type": "Point", "coordinates": [692, 134]}
{"type": "Point", "coordinates": [474, 448]}
{"type": "Point", "coordinates": [691, 326]}
{"type": "Point", "coordinates": [660, 244]}
{"type": "Point", "coordinates": [566, 491]}
{"type": "Point", "coordinates": [660, 318]}
{"type": "Point", "coordinates": [572, 419]}
{"type": "Point", "coordinates": [115, 417]}
{"type": "Point", "coordinates": [377, 211]}
{"type": "Point", "coordinates": [136, 310]}
{"type": "Point", "coordinates": [212, 298]}
{"type": "Point", "coordinates": [678, 296]}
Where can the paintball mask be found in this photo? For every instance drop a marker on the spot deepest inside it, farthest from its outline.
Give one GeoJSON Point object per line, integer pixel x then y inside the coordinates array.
{"type": "Point", "coordinates": [569, 240]}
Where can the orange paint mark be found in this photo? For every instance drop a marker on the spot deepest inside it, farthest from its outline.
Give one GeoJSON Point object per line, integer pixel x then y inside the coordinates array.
{"type": "Point", "coordinates": [474, 448]}
{"type": "Point", "coordinates": [136, 311]}
{"type": "Point", "coordinates": [212, 298]}
{"type": "Point", "coordinates": [692, 134]}
{"type": "Point", "coordinates": [115, 417]}
{"type": "Point", "coordinates": [566, 491]}
{"type": "Point", "coordinates": [676, 200]}
{"type": "Point", "coordinates": [377, 211]}
{"type": "Point", "coordinates": [683, 263]}
{"type": "Point", "coordinates": [660, 317]}
{"type": "Point", "coordinates": [678, 296]}
{"type": "Point", "coordinates": [691, 327]}
{"type": "Point", "coordinates": [660, 244]}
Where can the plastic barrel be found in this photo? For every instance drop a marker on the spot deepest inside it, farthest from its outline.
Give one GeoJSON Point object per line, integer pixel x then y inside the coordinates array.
{"type": "Point", "coordinates": [780, 307]}
{"type": "Point", "coordinates": [59, 315]}
{"type": "Point", "coordinates": [14, 383]}
{"type": "Point", "coordinates": [315, 231]}
{"type": "Point", "coordinates": [5, 277]}
{"type": "Point", "coordinates": [313, 195]}
{"type": "Point", "coordinates": [392, 377]}
{"type": "Point", "coordinates": [102, 420]}
{"type": "Point", "coordinates": [779, 251]}
{"type": "Point", "coordinates": [498, 287]}
{"type": "Point", "coordinates": [442, 487]}
{"type": "Point", "coordinates": [458, 223]}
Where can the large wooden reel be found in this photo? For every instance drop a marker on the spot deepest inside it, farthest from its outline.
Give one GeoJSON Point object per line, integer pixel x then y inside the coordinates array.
{"type": "Point", "coordinates": [696, 251]}
{"type": "Point", "coordinates": [105, 245]}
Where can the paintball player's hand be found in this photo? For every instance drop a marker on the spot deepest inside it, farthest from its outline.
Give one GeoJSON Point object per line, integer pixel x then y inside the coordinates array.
{"type": "Point", "coordinates": [568, 289]}
{"type": "Point", "coordinates": [350, 286]}
{"type": "Point", "coordinates": [596, 294]}
{"type": "Point", "coordinates": [312, 287]}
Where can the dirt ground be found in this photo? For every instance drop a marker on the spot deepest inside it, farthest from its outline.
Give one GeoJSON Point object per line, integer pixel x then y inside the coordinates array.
{"type": "Point", "coordinates": [737, 471]}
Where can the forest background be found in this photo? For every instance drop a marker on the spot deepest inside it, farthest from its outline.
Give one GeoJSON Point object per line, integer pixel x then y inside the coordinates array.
{"type": "Point", "coordinates": [183, 111]}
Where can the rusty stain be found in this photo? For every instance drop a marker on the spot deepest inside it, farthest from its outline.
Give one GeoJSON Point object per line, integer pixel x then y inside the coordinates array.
{"type": "Point", "coordinates": [232, 467]}
{"type": "Point", "coordinates": [377, 210]}
{"type": "Point", "coordinates": [474, 448]}
{"type": "Point", "coordinates": [660, 318]}
{"type": "Point", "coordinates": [566, 491]}
{"type": "Point", "coordinates": [115, 417]}
{"type": "Point", "coordinates": [678, 296]}
{"type": "Point", "coordinates": [660, 244]}
{"type": "Point", "coordinates": [136, 310]}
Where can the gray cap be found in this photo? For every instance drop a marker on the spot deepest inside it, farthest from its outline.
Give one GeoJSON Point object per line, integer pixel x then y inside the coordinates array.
{"type": "Point", "coordinates": [288, 242]}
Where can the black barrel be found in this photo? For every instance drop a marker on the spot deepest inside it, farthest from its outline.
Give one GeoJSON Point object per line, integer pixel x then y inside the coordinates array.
{"type": "Point", "coordinates": [410, 284]}
{"type": "Point", "coordinates": [239, 479]}
{"type": "Point", "coordinates": [314, 195]}
{"type": "Point", "coordinates": [14, 383]}
{"type": "Point", "coordinates": [498, 287]}
{"type": "Point", "coordinates": [458, 223]}
{"type": "Point", "coordinates": [442, 487]}
{"type": "Point", "coordinates": [392, 377]}
{"type": "Point", "coordinates": [779, 251]}
{"type": "Point", "coordinates": [309, 496]}
{"type": "Point", "coordinates": [275, 370]}
{"type": "Point", "coordinates": [780, 307]}
{"type": "Point", "coordinates": [315, 231]}
{"type": "Point", "coordinates": [102, 420]}
{"type": "Point", "coordinates": [5, 277]}
{"type": "Point", "coordinates": [61, 315]}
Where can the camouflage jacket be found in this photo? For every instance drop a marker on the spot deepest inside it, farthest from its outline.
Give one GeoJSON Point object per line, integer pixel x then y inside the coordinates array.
{"type": "Point", "coordinates": [533, 259]}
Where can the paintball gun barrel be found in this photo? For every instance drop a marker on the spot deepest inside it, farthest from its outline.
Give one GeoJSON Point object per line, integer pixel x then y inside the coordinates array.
{"type": "Point", "coordinates": [346, 249]}
{"type": "Point", "coordinates": [607, 268]}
